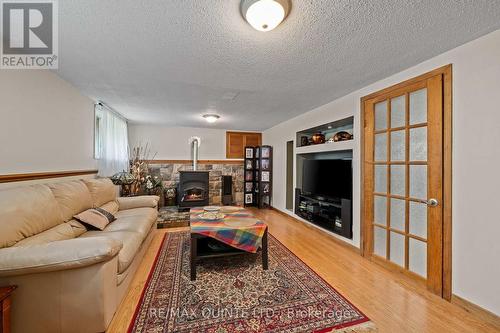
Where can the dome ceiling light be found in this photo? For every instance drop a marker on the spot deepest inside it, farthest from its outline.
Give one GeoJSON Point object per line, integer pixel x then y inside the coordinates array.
{"type": "Point", "coordinates": [265, 15]}
{"type": "Point", "coordinates": [211, 118]}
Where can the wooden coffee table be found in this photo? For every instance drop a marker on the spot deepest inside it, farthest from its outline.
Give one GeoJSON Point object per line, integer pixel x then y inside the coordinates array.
{"type": "Point", "coordinates": [200, 249]}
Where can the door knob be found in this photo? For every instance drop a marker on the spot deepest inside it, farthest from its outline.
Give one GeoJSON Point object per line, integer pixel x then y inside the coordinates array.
{"type": "Point", "coordinates": [432, 202]}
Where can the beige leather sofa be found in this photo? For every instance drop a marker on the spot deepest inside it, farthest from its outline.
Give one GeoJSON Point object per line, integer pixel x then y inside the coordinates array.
{"type": "Point", "coordinates": [70, 279]}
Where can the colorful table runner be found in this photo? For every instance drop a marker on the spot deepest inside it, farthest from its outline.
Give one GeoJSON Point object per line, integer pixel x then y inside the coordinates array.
{"type": "Point", "coordinates": [247, 239]}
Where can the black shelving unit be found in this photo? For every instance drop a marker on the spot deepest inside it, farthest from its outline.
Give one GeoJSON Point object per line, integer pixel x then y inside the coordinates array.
{"type": "Point", "coordinates": [258, 176]}
{"type": "Point", "coordinates": [250, 182]}
{"type": "Point", "coordinates": [335, 216]}
{"type": "Point", "coordinates": [265, 177]}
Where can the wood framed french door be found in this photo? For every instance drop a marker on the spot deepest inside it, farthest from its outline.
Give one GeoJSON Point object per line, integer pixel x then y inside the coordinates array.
{"type": "Point", "coordinates": [406, 174]}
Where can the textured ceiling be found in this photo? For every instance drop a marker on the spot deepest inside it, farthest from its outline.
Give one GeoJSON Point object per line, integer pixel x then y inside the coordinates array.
{"type": "Point", "coordinates": [169, 61]}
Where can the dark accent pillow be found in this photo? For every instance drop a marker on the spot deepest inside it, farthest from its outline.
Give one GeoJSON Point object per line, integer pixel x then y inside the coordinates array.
{"type": "Point", "coordinates": [108, 215]}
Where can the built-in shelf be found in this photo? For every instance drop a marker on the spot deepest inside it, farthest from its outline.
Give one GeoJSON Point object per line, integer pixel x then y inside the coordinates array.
{"type": "Point", "coordinates": [333, 217]}
{"type": "Point", "coordinates": [328, 130]}
{"type": "Point", "coordinates": [326, 147]}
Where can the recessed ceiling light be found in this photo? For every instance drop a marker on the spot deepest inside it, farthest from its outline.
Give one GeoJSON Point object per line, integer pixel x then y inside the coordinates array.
{"type": "Point", "coordinates": [211, 118]}
{"type": "Point", "coordinates": [265, 15]}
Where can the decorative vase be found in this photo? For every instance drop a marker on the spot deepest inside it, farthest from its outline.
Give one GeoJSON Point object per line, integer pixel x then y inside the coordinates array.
{"type": "Point", "coordinates": [318, 138]}
{"type": "Point", "coordinates": [342, 136]}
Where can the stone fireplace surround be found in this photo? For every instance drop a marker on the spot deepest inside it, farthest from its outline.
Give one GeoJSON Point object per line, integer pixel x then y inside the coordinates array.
{"type": "Point", "coordinates": [168, 171]}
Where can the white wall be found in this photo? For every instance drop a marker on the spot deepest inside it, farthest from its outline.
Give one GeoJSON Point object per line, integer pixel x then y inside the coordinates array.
{"type": "Point", "coordinates": [172, 143]}
{"type": "Point", "coordinates": [476, 160]}
{"type": "Point", "coordinates": [45, 124]}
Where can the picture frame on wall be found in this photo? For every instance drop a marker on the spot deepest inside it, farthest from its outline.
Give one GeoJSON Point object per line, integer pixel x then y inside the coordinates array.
{"type": "Point", "coordinates": [265, 165]}
{"type": "Point", "coordinates": [248, 176]}
{"type": "Point", "coordinates": [249, 164]}
{"type": "Point", "coordinates": [265, 176]}
{"type": "Point", "coordinates": [248, 187]}
{"type": "Point", "coordinates": [257, 152]}
{"type": "Point", "coordinates": [266, 188]}
{"type": "Point", "coordinates": [248, 198]}
{"type": "Point", "coordinates": [248, 152]}
{"type": "Point", "coordinates": [266, 152]}
{"type": "Point", "coordinates": [256, 164]}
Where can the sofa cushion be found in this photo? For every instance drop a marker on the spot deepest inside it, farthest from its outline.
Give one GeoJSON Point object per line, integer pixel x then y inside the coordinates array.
{"type": "Point", "coordinates": [102, 191]}
{"type": "Point", "coordinates": [131, 244]}
{"type": "Point", "coordinates": [73, 197]}
{"type": "Point", "coordinates": [111, 207]}
{"type": "Point", "coordinates": [57, 256]}
{"type": "Point", "coordinates": [138, 202]}
{"type": "Point", "coordinates": [26, 211]}
{"type": "Point", "coordinates": [144, 211]}
{"type": "Point", "coordinates": [61, 231]}
{"type": "Point", "coordinates": [139, 220]}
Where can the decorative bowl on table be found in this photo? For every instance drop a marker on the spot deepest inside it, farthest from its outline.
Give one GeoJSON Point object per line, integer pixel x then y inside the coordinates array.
{"type": "Point", "coordinates": [211, 208]}
{"type": "Point", "coordinates": [230, 209]}
{"type": "Point", "coordinates": [211, 216]}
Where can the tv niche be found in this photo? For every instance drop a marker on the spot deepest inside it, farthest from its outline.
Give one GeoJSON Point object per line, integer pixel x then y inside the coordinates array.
{"type": "Point", "coordinates": [324, 193]}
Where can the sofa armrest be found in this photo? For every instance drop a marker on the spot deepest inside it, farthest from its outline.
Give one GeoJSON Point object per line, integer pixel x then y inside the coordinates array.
{"type": "Point", "coordinates": [149, 201]}
{"type": "Point", "coordinates": [56, 256]}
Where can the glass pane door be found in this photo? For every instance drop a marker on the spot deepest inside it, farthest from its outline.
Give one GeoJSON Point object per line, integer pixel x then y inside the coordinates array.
{"type": "Point", "coordinates": [400, 180]}
{"type": "Point", "coordinates": [404, 163]}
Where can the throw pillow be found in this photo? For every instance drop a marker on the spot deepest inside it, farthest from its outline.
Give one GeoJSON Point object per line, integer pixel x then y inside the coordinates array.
{"type": "Point", "coordinates": [96, 217]}
{"type": "Point", "coordinates": [108, 215]}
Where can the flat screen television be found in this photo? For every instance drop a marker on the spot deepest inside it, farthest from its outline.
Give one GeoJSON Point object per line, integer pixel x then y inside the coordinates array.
{"type": "Point", "coordinates": [331, 179]}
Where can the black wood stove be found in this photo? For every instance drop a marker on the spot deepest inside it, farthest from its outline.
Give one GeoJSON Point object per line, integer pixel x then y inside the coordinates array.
{"type": "Point", "coordinates": [193, 189]}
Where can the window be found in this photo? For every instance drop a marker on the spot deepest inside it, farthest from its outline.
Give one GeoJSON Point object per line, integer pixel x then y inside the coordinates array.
{"type": "Point", "coordinates": [97, 132]}
{"type": "Point", "coordinates": [110, 141]}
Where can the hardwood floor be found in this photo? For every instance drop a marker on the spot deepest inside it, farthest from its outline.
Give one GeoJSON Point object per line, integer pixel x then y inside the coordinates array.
{"type": "Point", "coordinates": [392, 301]}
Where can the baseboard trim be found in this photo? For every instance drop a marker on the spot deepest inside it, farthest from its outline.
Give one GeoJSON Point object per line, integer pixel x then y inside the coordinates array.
{"type": "Point", "coordinates": [476, 310]}
{"type": "Point", "coordinates": [335, 239]}
{"type": "Point", "coordinates": [20, 177]}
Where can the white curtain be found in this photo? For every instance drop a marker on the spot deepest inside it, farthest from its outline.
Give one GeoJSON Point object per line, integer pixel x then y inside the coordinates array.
{"type": "Point", "coordinates": [113, 132]}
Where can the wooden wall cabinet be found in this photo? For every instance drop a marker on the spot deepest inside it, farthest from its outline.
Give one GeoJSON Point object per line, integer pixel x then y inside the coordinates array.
{"type": "Point", "coordinates": [237, 141]}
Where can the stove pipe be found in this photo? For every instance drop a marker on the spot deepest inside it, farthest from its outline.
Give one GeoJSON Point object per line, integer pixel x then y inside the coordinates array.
{"type": "Point", "coordinates": [195, 145]}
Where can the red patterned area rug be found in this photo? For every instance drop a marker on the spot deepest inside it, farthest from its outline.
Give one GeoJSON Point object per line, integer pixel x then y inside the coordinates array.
{"type": "Point", "coordinates": [234, 294]}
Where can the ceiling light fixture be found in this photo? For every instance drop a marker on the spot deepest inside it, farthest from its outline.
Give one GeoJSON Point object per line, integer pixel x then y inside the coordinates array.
{"type": "Point", "coordinates": [265, 15]}
{"type": "Point", "coordinates": [211, 118]}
